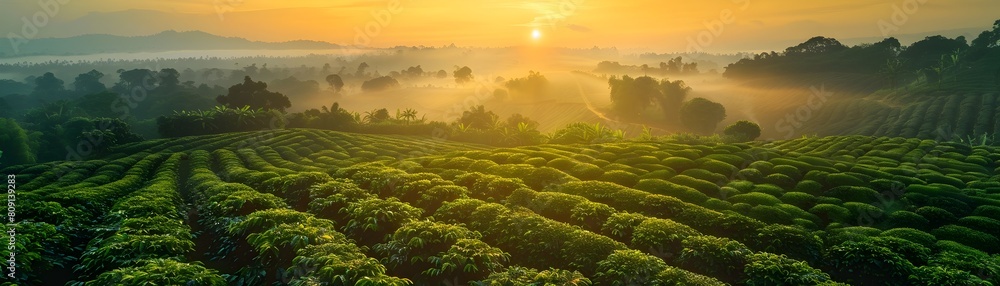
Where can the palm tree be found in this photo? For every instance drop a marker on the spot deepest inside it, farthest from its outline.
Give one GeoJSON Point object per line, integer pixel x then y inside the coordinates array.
{"type": "Point", "coordinates": [892, 70]}
{"type": "Point", "coordinates": [409, 115]}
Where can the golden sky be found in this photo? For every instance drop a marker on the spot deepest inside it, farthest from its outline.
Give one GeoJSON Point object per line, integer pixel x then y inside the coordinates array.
{"type": "Point", "coordinates": [668, 25]}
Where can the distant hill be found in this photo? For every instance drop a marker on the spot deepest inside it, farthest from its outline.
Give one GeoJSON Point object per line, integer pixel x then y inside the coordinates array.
{"type": "Point", "coordinates": [163, 41]}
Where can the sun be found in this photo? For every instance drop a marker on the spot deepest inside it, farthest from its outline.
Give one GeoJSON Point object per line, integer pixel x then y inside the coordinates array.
{"type": "Point", "coordinates": [536, 34]}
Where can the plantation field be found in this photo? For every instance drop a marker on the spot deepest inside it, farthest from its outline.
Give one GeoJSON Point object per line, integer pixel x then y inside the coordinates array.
{"type": "Point", "coordinates": [312, 207]}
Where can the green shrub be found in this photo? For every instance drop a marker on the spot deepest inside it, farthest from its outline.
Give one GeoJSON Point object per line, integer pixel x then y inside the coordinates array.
{"type": "Point", "coordinates": [679, 164]}
{"type": "Point", "coordinates": [620, 177]}
{"type": "Point", "coordinates": [799, 199]}
{"type": "Point", "coordinates": [677, 276]}
{"type": "Point", "coordinates": [162, 272]}
{"type": "Point", "coordinates": [950, 246]}
{"type": "Point", "coordinates": [988, 225]}
{"type": "Point", "coordinates": [705, 187]}
{"type": "Point", "coordinates": [755, 199]}
{"type": "Point", "coordinates": [717, 204]}
{"type": "Point", "coordinates": [661, 237]}
{"type": "Point", "coordinates": [591, 215]}
{"type": "Point", "coordinates": [585, 171]}
{"type": "Point", "coordinates": [853, 194]}
{"type": "Point", "coordinates": [685, 193]}
{"type": "Point", "coordinates": [769, 189]}
{"type": "Point", "coordinates": [842, 179]}
{"type": "Point", "coordinates": [865, 263]}
{"type": "Point", "coordinates": [795, 242]}
{"type": "Point", "coordinates": [831, 213]}
{"type": "Point", "coordinates": [764, 166]}
{"type": "Point", "coordinates": [540, 178]}
{"type": "Point", "coordinates": [942, 179]}
{"type": "Point", "coordinates": [665, 173]}
{"type": "Point", "coordinates": [969, 237]}
{"type": "Point", "coordinates": [914, 235]}
{"type": "Point", "coordinates": [937, 275]}
{"type": "Point", "coordinates": [620, 226]}
{"type": "Point", "coordinates": [809, 187]}
{"type": "Point", "coordinates": [629, 267]}
{"type": "Point", "coordinates": [706, 175]}
{"type": "Point", "coordinates": [936, 216]}
{"type": "Point", "coordinates": [770, 269]}
{"type": "Point", "coordinates": [987, 211]}
{"type": "Point", "coordinates": [718, 167]}
{"type": "Point", "coordinates": [721, 258]}
{"type": "Point", "coordinates": [770, 214]}
{"type": "Point", "coordinates": [787, 170]}
{"type": "Point", "coordinates": [750, 174]}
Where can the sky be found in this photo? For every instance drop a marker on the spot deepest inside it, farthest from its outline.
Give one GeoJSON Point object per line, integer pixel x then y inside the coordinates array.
{"type": "Point", "coordinates": [656, 25]}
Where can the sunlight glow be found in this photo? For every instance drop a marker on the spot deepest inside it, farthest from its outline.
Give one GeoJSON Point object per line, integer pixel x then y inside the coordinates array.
{"type": "Point", "coordinates": [536, 34]}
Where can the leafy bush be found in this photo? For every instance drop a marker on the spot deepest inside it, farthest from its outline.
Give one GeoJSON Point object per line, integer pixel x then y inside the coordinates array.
{"type": "Point", "coordinates": [658, 186]}
{"type": "Point", "coordinates": [743, 130]}
{"type": "Point", "coordinates": [799, 199]}
{"type": "Point", "coordinates": [936, 216]}
{"type": "Point", "coordinates": [770, 269]}
{"type": "Point", "coordinates": [865, 263]}
{"type": "Point", "coordinates": [917, 236]}
{"type": "Point", "coordinates": [620, 177]}
{"type": "Point", "coordinates": [795, 242]}
{"type": "Point", "coordinates": [937, 275]}
{"type": "Point", "coordinates": [661, 237]}
{"type": "Point", "coordinates": [831, 213]}
{"type": "Point", "coordinates": [755, 199]}
{"type": "Point", "coordinates": [721, 258]}
{"type": "Point", "coordinates": [969, 237]}
{"type": "Point", "coordinates": [629, 267]}
{"type": "Point", "coordinates": [161, 272]}
{"type": "Point", "coordinates": [907, 219]}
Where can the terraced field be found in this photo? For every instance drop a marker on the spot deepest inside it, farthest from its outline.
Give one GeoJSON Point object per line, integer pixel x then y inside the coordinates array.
{"type": "Point", "coordinates": [310, 207]}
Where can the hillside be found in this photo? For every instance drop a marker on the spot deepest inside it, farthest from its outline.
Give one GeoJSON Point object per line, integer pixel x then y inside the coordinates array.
{"type": "Point", "coordinates": [306, 206]}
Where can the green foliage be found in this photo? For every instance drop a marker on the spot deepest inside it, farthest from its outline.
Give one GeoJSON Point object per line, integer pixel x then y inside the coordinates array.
{"type": "Point", "coordinates": [161, 272]}
{"type": "Point", "coordinates": [629, 267]}
{"type": "Point", "coordinates": [743, 130]}
{"type": "Point", "coordinates": [721, 258]}
{"type": "Point", "coordinates": [14, 144]}
{"type": "Point", "coordinates": [865, 263]}
{"type": "Point", "coordinates": [701, 115]}
{"type": "Point", "coordinates": [916, 236]}
{"type": "Point", "coordinates": [969, 237]}
{"type": "Point", "coordinates": [661, 237]}
{"type": "Point", "coordinates": [937, 275]}
{"type": "Point", "coordinates": [794, 242]}
{"type": "Point", "coordinates": [770, 269]}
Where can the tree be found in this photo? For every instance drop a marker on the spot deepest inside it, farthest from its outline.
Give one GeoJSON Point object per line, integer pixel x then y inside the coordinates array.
{"type": "Point", "coordinates": [335, 82]}
{"type": "Point", "coordinates": [168, 78]}
{"type": "Point", "coordinates": [377, 116]}
{"type": "Point", "coordinates": [479, 118]}
{"type": "Point", "coordinates": [14, 144]}
{"type": "Point", "coordinates": [533, 85]}
{"type": "Point", "coordinates": [379, 84]}
{"type": "Point", "coordinates": [672, 94]}
{"type": "Point", "coordinates": [89, 82]}
{"type": "Point", "coordinates": [702, 115]}
{"type": "Point", "coordinates": [361, 69]}
{"type": "Point", "coordinates": [131, 79]}
{"type": "Point", "coordinates": [48, 83]}
{"type": "Point", "coordinates": [255, 95]}
{"type": "Point", "coordinates": [462, 75]}
{"type": "Point", "coordinates": [631, 96]}
{"type": "Point", "coordinates": [743, 130]}
{"type": "Point", "coordinates": [816, 45]}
